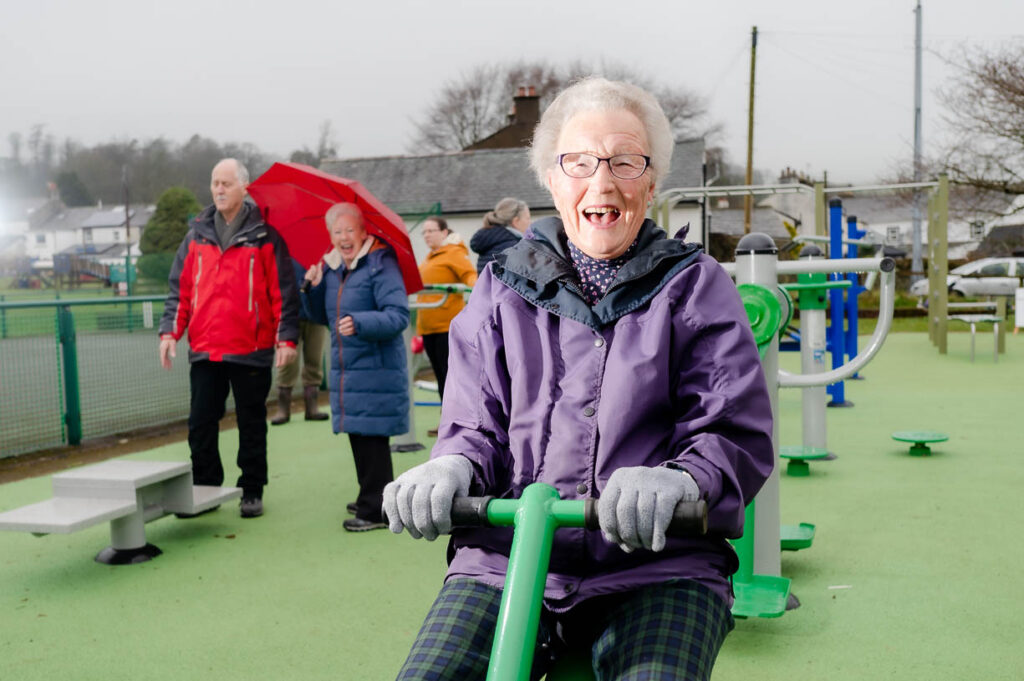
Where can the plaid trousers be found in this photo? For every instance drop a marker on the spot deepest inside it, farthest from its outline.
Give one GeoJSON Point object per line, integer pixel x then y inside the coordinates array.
{"type": "Point", "coordinates": [665, 632]}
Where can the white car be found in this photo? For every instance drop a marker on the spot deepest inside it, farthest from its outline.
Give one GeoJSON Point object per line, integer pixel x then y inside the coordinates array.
{"type": "Point", "coordinates": [984, 277]}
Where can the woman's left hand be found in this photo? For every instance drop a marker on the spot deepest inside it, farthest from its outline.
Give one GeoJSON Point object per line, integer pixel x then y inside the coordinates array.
{"type": "Point", "coordinates": [347, 326]}
{"type": "Point", "coordinates": [636, 505]}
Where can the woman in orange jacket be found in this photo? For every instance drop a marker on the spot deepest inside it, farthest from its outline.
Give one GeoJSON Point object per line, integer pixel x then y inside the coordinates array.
{"type": "Point", "coordinates": [447, 263]}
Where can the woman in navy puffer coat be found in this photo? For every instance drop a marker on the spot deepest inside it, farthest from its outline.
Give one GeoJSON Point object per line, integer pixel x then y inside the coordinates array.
{"type": "Point", "coordinates": [357, 291]}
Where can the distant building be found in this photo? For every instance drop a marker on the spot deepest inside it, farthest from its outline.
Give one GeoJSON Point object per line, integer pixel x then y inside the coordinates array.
{"type": "Point", "coordinates": [95, 232]}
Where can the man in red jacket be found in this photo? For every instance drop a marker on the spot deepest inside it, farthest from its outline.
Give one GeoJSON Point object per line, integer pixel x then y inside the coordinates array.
{"type": "Point", "coordinates": [233, 287]}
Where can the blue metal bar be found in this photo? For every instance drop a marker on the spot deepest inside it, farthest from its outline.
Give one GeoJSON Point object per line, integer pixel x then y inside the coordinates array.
{"type": "Point", "coordinates": [836, 333]}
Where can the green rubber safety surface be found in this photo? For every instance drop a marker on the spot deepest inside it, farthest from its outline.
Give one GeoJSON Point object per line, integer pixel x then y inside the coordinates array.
{"type": "Point", "coordinates": [292, 596]}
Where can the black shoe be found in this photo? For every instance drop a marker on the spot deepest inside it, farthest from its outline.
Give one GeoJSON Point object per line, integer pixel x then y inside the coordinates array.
{"type": "Point", "coordinates": [351, 507]}
{"type": "Point", "coordinates": [360, 525]}
{"type": "Point", "coordinates": [251, 507]}
{"type": "Point", "coordinates": [196, 515]}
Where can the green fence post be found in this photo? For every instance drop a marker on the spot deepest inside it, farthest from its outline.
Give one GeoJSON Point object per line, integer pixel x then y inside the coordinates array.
{"type": "Point", "coordinates": [69, 352]}
{"type": "Point", "coordinates": [3, 320]}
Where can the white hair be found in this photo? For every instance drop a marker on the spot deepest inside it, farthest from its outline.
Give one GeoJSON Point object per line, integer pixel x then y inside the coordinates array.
{"type": "Point", "coordinates": [339, 209]}
{"type": "Point", "coordinates": [241, 172]}
{"type": "Point", "coordinates": [601, 94]}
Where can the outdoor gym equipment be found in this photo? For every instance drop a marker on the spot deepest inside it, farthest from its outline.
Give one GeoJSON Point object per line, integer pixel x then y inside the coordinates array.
{"type": "Point", "coordinates": [920, 440]}
{"type": "Point", "coordinates": [811, 288]}
{"type": "Point", "coordinates": [535, 517]}
{"type": "Point", "coordinates": [407, 441]}
{"type": "Point", "coordinates": [760, 589]}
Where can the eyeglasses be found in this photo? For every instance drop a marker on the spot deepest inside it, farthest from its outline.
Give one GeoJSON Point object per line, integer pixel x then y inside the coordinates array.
{"type": "Point", "coordinates": [623, 166]}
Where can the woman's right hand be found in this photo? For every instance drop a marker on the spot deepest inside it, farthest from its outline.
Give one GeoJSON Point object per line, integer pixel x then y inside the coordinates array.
{"type": "Point", "coordinates": [314, 274]}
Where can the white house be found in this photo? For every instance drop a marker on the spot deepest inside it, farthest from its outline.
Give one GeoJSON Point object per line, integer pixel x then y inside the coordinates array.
{"type": "Point", "coordinates": [95, 232]}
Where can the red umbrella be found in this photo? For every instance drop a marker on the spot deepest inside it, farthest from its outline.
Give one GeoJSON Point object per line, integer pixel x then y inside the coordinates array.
{"type": "Point", "coordinates": [294, 199]}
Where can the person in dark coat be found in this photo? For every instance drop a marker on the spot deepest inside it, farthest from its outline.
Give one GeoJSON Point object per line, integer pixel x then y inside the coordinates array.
{"type": "Point", "coordinates": [311, 348]}
{"type": "Point", "coordinates": [358, 292]}
{"type": "Point", "coordinates": [503, 227]}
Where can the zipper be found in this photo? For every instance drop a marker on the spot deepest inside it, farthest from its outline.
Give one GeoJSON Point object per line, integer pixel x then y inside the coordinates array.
{"type": "Point", "coordinates": [195, 283]}
{"type": "Point", "coordinates": [341, 362]}
{"type": "Point", "coordinates": [252, 261]}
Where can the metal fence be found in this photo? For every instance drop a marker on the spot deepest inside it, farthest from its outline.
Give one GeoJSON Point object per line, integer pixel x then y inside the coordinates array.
{"type": "Point", "coordinates": [79, 369]}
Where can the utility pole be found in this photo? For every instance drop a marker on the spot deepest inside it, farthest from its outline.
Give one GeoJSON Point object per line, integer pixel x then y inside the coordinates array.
{"type": "Point", "coordinates": [916, 267]}
{"type": "Point", "coordinates": [748, 200]}
{"type": "Point", "coordinates": [127, 232]}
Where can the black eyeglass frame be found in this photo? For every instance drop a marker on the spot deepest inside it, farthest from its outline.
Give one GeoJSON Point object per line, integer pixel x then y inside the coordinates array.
{"type": "Point", "coordinates": [647, 164]}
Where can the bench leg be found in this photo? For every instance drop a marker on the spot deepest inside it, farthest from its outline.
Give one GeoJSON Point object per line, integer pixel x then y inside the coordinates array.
{"type": "Point", "coordinates": [128, 542]}
{"type": "Point", "coordinates": [972, 341]}
{"type": "Point", "coordinates": [995, 331]}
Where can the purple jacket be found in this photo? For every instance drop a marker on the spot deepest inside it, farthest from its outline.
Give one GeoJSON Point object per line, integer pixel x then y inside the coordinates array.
{"type": "Point", "coordinates": [663, 371]}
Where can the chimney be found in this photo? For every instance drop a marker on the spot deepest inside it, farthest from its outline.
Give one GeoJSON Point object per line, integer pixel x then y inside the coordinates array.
{"type": "Point", "coordinates": [526, 107]}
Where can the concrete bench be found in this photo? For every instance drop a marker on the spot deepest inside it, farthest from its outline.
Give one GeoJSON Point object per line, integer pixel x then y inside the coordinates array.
{"type": "Point", "coordinates": [128, 494]}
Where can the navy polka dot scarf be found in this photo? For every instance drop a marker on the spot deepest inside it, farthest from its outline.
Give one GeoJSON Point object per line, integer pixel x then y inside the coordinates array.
{"type": "Point", "coordinates": [596, 275]}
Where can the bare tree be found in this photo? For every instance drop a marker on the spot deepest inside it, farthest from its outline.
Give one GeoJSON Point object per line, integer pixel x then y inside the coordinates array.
{"type": "Point", "coordinates": [985, 114]}
{"type": "Point", "coordinates": [477, 104]}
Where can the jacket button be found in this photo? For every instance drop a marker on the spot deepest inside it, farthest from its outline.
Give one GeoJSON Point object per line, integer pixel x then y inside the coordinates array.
{"type": "Point", "coordinates": [581, 488]}
{"type": "Point", "coordinates": [598, 342]}
{"type": "Point", "coordinates": [589, 411]}
{"type": "Point", "coordinates": [554, 306]}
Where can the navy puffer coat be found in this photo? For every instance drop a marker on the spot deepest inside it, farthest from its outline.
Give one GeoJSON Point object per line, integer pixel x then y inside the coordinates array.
{"type": "Point", "coordinates": [369, 379]}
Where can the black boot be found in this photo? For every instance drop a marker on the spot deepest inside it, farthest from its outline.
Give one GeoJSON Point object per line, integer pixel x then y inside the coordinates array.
{"type": "Point", "coordinates": [284, 407]}
{"type": "Point", "coordinates": [312, 412]}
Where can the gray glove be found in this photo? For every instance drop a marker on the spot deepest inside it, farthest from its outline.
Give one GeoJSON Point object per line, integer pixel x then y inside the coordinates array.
{"type": "Point", "coordinates": [420, 499]}
{"type": "Point", "coordinates": [637, 504]}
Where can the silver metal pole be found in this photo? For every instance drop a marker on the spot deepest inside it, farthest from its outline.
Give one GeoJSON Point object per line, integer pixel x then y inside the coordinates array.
{"type": "Point", "coordinates": [916, 265]}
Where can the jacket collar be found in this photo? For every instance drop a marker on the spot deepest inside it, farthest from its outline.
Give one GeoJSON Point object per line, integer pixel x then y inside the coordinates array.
{"type": "Point", "coordinates": [540, 270]}
{"type": "Point", "coordinates": [334, 259]}
{"type": "Point", "coordinates": [252, 228]}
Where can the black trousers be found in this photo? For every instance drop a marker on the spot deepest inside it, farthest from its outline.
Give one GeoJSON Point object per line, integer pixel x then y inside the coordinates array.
{"type": "Point", "coordinates": [436, 346]}
{"type": "Point", "coordinates": [372, 455]}
{"type": "Point", "coordinates": [210, 382]}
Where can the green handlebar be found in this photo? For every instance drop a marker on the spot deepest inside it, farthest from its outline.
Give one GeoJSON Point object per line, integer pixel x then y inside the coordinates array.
{"type": "Point", "coordinates": [536, 516]}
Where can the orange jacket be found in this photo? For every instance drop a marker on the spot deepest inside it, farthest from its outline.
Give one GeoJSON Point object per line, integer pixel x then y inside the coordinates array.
{"type": "Point", "coordinates": [448, 264]}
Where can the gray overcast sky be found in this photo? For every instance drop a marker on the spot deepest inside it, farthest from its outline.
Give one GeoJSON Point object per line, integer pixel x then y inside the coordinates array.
{"type": "Point", "coordinates": [834, 79]}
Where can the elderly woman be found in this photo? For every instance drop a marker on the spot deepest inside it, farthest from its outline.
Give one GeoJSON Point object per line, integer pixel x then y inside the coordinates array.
{"type": "Point", "coordinates": [503, 227]}
{"type": "Point", "coordinates": [357, 291]}
{"type": "Point", "coordinates": [447, 263]}
{"type": "Point", "coordinates": [610, 361]}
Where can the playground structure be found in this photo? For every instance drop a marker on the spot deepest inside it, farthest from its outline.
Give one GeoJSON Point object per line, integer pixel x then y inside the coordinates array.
{"type": "Point", "coordinates": [535, 516]}
{"type": "Point", "coordinates": [407, 442]}
{"type": "Point", "coordinates": [760, 589]}
{"type": "Point", "coordinates": [127, 493]}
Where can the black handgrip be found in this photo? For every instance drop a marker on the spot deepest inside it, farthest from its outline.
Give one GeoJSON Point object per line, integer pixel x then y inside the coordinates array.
{"type": "Point", "coordinates": [470, 511]}
{"type": "Point", "coordinates": [690, 519]}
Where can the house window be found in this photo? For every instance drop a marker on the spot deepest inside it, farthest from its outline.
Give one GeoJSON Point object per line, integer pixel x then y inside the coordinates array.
{"type": "Point", "coordinates": [41, 239]}
{"type": "Point", "coordinates": [977, 229]}
{"type": "Point", "coordinates": [117, 235]}
{"type": "Point", "coordinates": [87, 235]}
{"type": "Point", "coordinates": [892, 234]}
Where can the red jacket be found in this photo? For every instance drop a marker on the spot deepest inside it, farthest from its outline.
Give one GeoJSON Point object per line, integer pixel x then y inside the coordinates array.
{"type": "Point", "coordinates": [237, 303]}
